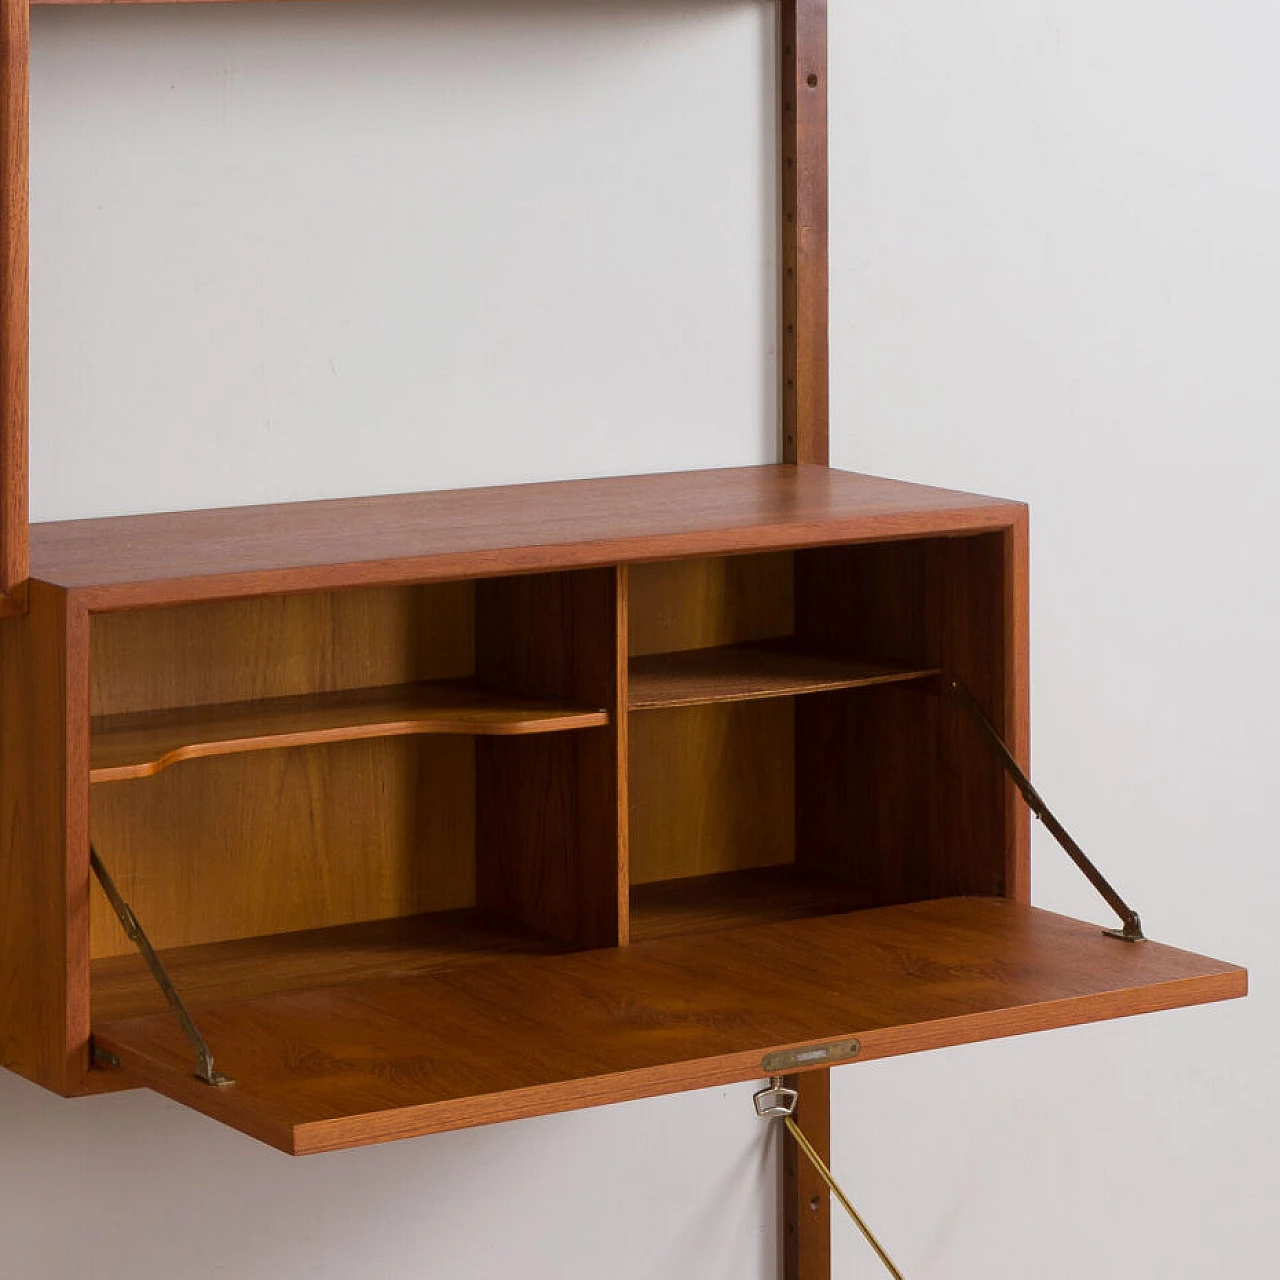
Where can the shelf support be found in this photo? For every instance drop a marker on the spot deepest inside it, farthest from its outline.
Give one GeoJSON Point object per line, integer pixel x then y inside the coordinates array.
{"type": "Point", "coordinates": [1131, 925]}
{"type": "Point", "coordinates": [205, 1070]}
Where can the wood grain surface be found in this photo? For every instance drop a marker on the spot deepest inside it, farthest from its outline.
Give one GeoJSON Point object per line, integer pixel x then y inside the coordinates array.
{"type": "Point", "coordinates": [205, 555]}
{"type": "Point", "coordinates": [281, 645]}
{"type": "Point", "coordinates": [369, 1062]}
{"type": "Point", "coordinates": [749, 672]}
{"type": "Point", "coordinates": [277, 841]}
{"type": "Point", "coordinates": [895, 796]}
{"type": "Point", "coordinates": [44, 849]}
{"type": "Point", "coordinates": [122, 986]}
{"type": "Point", "coordinates": [730, 900]}
{"type": "Point", "coordinates": [706, 601]}
{"type": "Point", "coordinates": [712, 788]}
{"type": "Point", "coordinates": [142, 744]}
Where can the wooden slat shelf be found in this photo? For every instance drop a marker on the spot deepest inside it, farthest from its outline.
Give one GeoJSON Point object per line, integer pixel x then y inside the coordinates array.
{"type": "Point", "coordinates": [744, 672]}
{"type": "Point", "coordinates": [248, 968]}
{"type": "Point", "coordinates": [371, 1061]}
{"type": "Point", "coordinates": [141, 744]}
{"type": "Point", "coordinates": [731, 899]}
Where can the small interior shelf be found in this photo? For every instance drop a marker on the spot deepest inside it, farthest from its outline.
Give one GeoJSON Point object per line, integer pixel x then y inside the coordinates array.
{"type": "Point", "coordinates": [141, 744]}
{"type": "Point", "coordinates": [746, 672]}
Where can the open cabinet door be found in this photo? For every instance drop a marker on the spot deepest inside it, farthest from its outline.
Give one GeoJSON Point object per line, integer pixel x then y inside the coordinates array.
{"type": "Point", "coordinates": [371, 1061]}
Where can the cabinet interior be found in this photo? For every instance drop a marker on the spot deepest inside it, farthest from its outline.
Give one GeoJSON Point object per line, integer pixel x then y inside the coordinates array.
{"type": "Point", "coordinates": [316, 787]}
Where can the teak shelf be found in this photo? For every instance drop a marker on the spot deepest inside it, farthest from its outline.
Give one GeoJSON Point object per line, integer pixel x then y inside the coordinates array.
{"type": "Point", "coordinates": [446, 808]}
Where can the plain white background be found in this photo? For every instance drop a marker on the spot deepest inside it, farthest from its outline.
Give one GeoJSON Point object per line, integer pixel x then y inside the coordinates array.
{"type": "Point", "coordinates": [300, 250]}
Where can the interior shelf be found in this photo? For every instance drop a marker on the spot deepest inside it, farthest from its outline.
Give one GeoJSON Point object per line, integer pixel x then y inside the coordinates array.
{"type": "Point", "coordinates": [392, 1057]}
{"type": "Point", "coordinates": [141, 744]}
{"type": "Point", "coordinates": [731, 899]}
{"type": "Point", "coordinates": [249, 968]}
{"type": "Point", "coordinates": [744, 672]}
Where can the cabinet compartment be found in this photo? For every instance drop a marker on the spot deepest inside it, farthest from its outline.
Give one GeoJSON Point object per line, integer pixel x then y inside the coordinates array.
{"type": "Point", "coordinates": [259, 868]}
{"type": "Point", "coordinates": [808, 793]}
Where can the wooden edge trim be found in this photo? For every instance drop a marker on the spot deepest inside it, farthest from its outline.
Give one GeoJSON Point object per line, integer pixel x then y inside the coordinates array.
{"type": "Point", "coordinates": [77, 887]}
{"type": "Point", "coordinates": [1017, 703]}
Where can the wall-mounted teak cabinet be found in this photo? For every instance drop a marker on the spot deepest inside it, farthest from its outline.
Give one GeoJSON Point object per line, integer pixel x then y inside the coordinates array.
{"type": "Point", "coordinates": [451, 808]}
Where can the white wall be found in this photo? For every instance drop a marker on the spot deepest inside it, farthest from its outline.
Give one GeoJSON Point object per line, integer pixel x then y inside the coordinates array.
{"type": "Point", "coordinates": [1055, 276]}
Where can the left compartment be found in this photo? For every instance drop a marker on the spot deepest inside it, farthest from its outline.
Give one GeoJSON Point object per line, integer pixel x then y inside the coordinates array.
{"type": "Point", "coordinates": [300, 791]}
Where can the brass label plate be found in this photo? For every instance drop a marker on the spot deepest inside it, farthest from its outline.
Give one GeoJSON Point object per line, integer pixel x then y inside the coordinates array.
{"type": "Point", "coordinates": [811, 1055]}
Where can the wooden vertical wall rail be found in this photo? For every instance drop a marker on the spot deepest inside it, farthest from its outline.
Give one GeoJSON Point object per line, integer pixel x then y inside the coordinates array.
{"type": "Point", "coordinates": [803, 48]}
{"type": "Point", "coordinates": [802, 45]}
{"type": "Point", "coordinates": [806, 1244]}
{"type": "Point", "coordinates": [15, 46]}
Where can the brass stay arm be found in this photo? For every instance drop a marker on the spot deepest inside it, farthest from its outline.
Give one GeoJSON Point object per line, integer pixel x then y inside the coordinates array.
{"type": "Point", "coordinates": [205, 1069]}
{"type": "Point", "coordinates": [1131, 925]}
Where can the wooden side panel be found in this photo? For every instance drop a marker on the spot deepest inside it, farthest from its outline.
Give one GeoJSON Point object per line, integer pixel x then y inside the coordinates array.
{"type": "Point", "coordinates": [44, 847]}
{"type": "Point", "coordinates": [15, 46]}
{"type": "Point", "coordinates": [803, 42]}
{"type": "Point", "coordinates": [1017, 703]}
{"type": "Point", "coordinates": [550, 818]}
{"type": "Point", "coordinates": [896, 797]}
{"type": "Point", "coordinates": [294, 839]}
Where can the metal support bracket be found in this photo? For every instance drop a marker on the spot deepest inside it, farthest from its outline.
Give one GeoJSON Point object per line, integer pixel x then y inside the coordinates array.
{"type": "Point", "coordinates": [1131, 925]}
{"type": "Point", "coordinates": [205, 1069]}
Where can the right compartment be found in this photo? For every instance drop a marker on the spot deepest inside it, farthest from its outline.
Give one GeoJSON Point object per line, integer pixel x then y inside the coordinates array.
{"type": "Point", "coordinates": [792, 749]}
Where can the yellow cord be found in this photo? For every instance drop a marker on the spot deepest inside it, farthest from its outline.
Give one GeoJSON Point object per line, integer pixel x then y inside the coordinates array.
{"type": "Point", "coordinates": [825, 1174]}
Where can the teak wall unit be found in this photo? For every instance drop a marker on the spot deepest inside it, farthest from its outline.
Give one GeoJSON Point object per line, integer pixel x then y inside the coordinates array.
{"type": "Point", "coordinates": [448, 808]}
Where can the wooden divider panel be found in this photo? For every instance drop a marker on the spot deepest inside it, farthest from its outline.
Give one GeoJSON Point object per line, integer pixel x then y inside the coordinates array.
{"type": "Point", "coordinates": [550, 817]}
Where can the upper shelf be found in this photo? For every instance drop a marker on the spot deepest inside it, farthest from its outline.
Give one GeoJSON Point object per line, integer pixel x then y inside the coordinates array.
{"type": "Point", "coordinates": [127, 561]}
{"type": "Point", "coordinates": [141, 744]}
{"type": "Point", "coordinates": [747, 672]}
